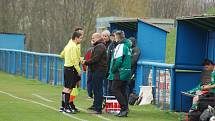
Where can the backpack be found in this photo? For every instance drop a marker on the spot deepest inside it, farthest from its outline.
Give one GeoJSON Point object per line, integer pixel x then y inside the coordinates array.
{"type": "Point", "coordinates": [132, 99]}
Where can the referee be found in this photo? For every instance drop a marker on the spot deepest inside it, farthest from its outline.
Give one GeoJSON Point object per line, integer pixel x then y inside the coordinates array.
{"type": "Point", "coordinates": [72, 71]}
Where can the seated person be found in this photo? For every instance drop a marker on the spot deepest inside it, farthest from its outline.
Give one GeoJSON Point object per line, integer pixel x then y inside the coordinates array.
{"type": "Point", "coordinates": [207, 85]}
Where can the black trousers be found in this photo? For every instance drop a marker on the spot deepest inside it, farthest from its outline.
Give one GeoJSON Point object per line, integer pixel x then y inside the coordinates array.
{"type": "Point", "coordinates": [97, 80]}
{"type": "Point", "coordinates": [119, 90]}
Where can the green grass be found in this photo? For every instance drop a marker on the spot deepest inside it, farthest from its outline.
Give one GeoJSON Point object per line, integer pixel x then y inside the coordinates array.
{"type": "Point", "coordinates": [211, 10]}
{"type": "Point", "coordinates": [170, 46]}
{"type": "Point", "coordinates": [13, 109]}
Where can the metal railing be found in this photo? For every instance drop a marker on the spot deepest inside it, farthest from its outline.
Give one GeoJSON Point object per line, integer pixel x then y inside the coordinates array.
{"type": "Point", "coordinates": [161, 77]}
{"type": "Point", "coordinates": [47, 68]}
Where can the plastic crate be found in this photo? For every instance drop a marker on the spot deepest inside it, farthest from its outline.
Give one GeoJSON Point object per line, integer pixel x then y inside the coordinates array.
{"type": "Point", "coordinates": [111, 105]}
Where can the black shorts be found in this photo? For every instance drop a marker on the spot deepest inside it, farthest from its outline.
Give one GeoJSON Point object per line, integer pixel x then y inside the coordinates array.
{"type": "Point", "coordinates": [71, 77]}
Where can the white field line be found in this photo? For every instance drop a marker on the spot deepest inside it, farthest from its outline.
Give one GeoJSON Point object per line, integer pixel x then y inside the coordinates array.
{"type": "Point", "coordinates": [99, 116]}
{"type": "Point", "coordinates": [42, 98]}
{"type": "Point", "coordinates": [79, 119]}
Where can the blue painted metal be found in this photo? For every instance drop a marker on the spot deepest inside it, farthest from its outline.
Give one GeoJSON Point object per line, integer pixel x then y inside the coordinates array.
{"type": "Point", "coordinates": [26, 65]}
{"type": "Point", "coordinates": [194, 43]}
{"type": "Point", "coordinates": [55, 70]}
{"type": "Point", "coordinates": [8, 62]}
{"type": "Point", "coordinates": [150, 39]}
{"type": "Point", "coordinates": [158, 97]}
{"type": "Point", "coordinates": [172, 89]}
{"type": "Point", "coordinates": [190, 44]}
{"type": "Point", "coordinates": [33, 66]}
{"type": "Point", "coordinates": [83, 80]}
{"type": "Point", "coordinates": [47, 69]}
{"type": "Point", "coordinates": [139, 79]}
{"type": "Point", "coordinates": [164, 91]}
{"type": "Point", "coordinates": [157, 66]}
{"type": "Point", "coordinates": [12, 41]}
{"type": "Point", "coordinates": [152, 43]}
{"type": "Point", "coordinates": [14, 62]}
{"type": "Point", "coordinates": [40, 68]}
{"type": "Point", "coordinates": [20, 63]}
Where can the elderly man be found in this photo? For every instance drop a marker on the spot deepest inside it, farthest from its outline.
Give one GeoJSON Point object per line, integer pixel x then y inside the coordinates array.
{"type": "Point", "coordinates": [98, 67]}
{"type": "Point", "coordinates": [106, 38]}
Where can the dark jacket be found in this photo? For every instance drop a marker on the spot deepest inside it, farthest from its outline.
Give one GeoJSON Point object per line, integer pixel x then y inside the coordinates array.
{"type": "Point", "coordinates": [98, 59]}
{"type": "Point", "coordinates": [134, 58]}
{"type": "Point", "coordinates": [110, 50]}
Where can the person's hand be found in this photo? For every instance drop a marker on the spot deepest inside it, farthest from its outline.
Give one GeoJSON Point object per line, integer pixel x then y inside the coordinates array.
{"type": "Point", "coordinates": [83, 62]}
{"type": "Point", "coordinates": [206, 87]}
{"type": "Point", "coordinates": [81, 59]}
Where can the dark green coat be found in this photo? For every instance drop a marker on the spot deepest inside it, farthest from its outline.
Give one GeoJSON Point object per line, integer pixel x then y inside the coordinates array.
{"type": "Point", "coordinates": [120, 66]}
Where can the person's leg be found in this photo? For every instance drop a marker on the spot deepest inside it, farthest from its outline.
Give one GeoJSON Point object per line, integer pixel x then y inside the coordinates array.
{"type": "Point", "coordinates": [105, 87]}
{"type": "Point", "coordinates": [194, 103]}
{"type": "Point", "coordinates": [125, 93]}
{"type": "Point", "coordinates": [109, 88]}
{"type": "Point", "coordinates": [98, 78]}
{"type": "Point", "coordinates": [89, 84]}
{"type": "Point", "coordinates": [117, 92]}
{"type": "Point", "coordinates": [69, 84]}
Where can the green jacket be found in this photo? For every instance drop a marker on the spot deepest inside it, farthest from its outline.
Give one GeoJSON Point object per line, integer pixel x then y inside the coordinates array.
{"type": "Point", "coordinates": [120, 66]}
{"type": "Point", "coordinates": [199, 87]}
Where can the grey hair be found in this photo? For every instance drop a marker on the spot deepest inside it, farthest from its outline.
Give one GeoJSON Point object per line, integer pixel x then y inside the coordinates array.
{"type": "Point", "coordinates": [106, 32]}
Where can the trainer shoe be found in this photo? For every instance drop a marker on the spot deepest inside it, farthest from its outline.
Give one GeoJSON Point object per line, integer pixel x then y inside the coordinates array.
{"type": "Point", "coordinates": [61, 109]}
{"type": "Point", "coordinates": [68, 110]}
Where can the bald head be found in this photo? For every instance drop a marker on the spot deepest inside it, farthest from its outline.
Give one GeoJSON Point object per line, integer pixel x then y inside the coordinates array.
{"type": "Point", "coordinates": [96, 37]}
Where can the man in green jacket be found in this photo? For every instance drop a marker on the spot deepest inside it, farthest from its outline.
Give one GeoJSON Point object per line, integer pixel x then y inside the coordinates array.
{"type": "Point", "coordinates": [120, 71]}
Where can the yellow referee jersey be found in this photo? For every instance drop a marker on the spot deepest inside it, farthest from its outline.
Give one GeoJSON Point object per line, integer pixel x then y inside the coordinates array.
{"type": "Point", "coordinates": [71, 55]}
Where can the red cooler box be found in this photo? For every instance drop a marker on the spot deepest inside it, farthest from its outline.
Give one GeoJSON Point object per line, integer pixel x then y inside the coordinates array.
{"type": "Point", "coordinates": [111, 105]}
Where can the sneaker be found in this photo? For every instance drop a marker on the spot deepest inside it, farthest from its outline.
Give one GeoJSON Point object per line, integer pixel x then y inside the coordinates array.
{"type": "Point", "coordinates": [61, 109]}
{"type": "Point", "coordinates": [122, 114]}
{"type": "Point", "coordinates": [67, 110]}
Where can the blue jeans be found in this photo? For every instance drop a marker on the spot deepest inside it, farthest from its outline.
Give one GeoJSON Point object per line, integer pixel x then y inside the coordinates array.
{"type": "Point", "coordinates": [97, 80]}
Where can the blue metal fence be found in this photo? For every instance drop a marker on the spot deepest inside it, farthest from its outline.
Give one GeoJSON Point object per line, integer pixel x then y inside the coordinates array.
{"type": "Point", "coordinates": [48, 68]}
{"type": "Point", "coordinates": [161, 77]}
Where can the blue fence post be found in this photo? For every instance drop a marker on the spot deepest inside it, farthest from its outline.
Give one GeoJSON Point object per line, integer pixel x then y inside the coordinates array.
{"type": "Point", "coordinates": [14, 62]}
{"type": "Point", "coordinates": [55, 70]}
{"type": "Point", "coordinates": [158, 99]}
{"type": "Point", "coordinates": [83, 80]}
{"type": "Point", "coordinates": [47, 69]}
{"type": "Point", "coordinates": [40, 68]}
{"type": "Point", "coordinates": [139, 79]}
{"type": "Point", "coordinates": [20, 63]}
{"type": "Point", "coordinates": [164, 91]}
{"type": "Point", "coordinates": [26, 65]}
{"type": "Point", "coordinates": [5, 61]}
{"type": "Point", "coordinates": [1, 60]}
{"type": "Point", "coordinates": [8, 64]}
{"type": "Point", "coordinates": [33, 66]}
{"type": "Point", "coordinates": [154, 82]}
{"type": "Point", "coordinates": [172, 88]}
